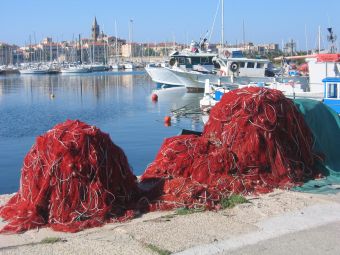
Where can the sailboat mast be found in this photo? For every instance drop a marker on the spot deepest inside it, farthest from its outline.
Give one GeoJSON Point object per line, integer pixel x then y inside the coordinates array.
{"type": "Point", "coordinates": [81, 50]}
{"type": "Point", "coordinates": [222, 27]}
{"type": "Point", "coordinates": [30, 56]}
{"type": "Point", "coordinates": [306, 39]}
{"type": "Point", "coordinates": [57, 50]}
{"type": "Point", "coordinates": [51, 57]}
{"type": "Point", "coordinates": [244, 34]}
{"type": "Point", "coordinates": [93, 52]}
{"type": "Point", "coordinates": [131, 41]}
{"type": "Point", "coordinates": [116, 40]}
{"type": "Point", "coordinates": [319, 43]}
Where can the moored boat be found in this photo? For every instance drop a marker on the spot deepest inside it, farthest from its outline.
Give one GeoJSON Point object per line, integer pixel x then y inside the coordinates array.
{"type": "Point", "coordinates": [99, 67]}
{"type": "Point", "coordinates": [196, 58]}
{"type": "Point", "coordinates": [74, 69]}
{"type": "Point", "coordinates": [8, 70]}
{"type": "Point", "coordinates": [117, 66]}
{"type": "Point", "coordinates": [129, 66]}
{"type": "Point", "coordinates": [34, 71]}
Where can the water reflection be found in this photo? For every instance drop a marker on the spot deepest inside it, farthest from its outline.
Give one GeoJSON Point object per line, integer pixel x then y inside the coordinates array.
{"type": "Point", "coordinates": [119, 104]}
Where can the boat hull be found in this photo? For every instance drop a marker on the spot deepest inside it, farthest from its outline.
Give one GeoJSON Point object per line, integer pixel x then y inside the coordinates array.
{"type": "Point", "coordinates": [71, 71]}
{"type": "Point", "coordinates": [196, 81]}
{"type": "Point", "coordinates": [162, 75]}
{"type": "Point", "coordinates": [129, 66]}
{"type": "Point", "coordinates": [33, 71]}
{"type": "Point", "coordinates": [99, 68]}
{"type": "Point", "coordinates": [9, 71]}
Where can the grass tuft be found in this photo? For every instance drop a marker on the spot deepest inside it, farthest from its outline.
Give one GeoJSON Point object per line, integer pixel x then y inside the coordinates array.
{"type": "Point", "coordinates": [232, 201]}
{"type": "Point", "coordinates": [185, 210]}
{"type": "Point", "coordinates": [51, 240]}
{"type": "Point", "coordinates": [158, 250]}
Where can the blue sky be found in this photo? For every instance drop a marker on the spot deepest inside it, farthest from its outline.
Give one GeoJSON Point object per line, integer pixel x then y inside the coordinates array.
{"type": "Point", "coordinates": [183, 20]}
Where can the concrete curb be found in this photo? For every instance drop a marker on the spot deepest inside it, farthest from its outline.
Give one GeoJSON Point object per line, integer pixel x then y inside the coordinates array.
{"type": "Point", "coordinates": [309, 217]}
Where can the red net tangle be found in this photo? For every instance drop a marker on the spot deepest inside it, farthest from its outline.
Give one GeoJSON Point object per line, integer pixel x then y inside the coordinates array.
{"type": "Point", "coordinates": [255, 140]}
{"type": "Point", "coordinates": [72, 178]}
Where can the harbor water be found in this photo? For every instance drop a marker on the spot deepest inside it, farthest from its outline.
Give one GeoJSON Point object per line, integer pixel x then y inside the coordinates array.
{"type": "Point", "coordinates": [119, 103]}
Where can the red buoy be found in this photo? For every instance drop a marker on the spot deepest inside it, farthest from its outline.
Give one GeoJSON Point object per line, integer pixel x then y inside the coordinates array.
{"type": "Point", "coordinates": [154, 97]}
{"type": "Point", "coordinates": [167, 120]}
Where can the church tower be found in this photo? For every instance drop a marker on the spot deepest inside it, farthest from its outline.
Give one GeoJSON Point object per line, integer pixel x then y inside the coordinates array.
{"type": "Point", "coordinates": [95, 30]}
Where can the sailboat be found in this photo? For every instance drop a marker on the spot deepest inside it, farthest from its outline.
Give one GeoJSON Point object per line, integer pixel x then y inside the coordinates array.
{"type": "Point", "coordinates": [30, 68]}
{"type": "Point", "coordinates": [116, 65]}
{"type": "Point", "coordinates": [74, 68]}
{"type": "Point", "coordinates": [129, 64]}
{"type": "Point", "coordinates": [34, 70]}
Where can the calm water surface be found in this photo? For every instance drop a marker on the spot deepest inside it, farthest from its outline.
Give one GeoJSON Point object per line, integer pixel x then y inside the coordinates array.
{"type": "Point", "coordinates": [117, 103]}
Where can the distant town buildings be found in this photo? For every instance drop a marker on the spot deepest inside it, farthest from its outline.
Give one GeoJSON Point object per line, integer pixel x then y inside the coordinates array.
{"type": "Point", "coordinates": [260, 49]}
{"type": "Point", "coordinates": [290, 48]}
{"type": "Point", "coordinates": [102, 48]}
{"type": "Point", "coordinates": [9, 54]}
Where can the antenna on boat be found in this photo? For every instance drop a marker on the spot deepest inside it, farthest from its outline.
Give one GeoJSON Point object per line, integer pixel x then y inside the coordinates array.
{"type": "Point", "coordinates": [332, 39]}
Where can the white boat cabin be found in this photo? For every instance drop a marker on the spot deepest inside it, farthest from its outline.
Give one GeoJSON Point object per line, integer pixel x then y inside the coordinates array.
{"type": "Point", "coordinates": [244, 67]}
{"type": "Point", "coordinates": [320, 66]}
{"type": "Point", "coordinates": [197, 58]}
{"type": "Point", "coordinates": [197, 61]}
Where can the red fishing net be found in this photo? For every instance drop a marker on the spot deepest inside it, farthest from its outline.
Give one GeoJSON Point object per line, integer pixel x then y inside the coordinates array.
{"type": "Point", "coordinates": [73, 178]}
{"type": "Point", "coordinates": [255, 140]}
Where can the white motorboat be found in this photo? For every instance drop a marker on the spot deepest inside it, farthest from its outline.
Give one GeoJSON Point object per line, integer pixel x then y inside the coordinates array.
{"type": "Point", "coordinates": [163, 75]}
{"type": "Point", "coordinates": [196, 59]}
{"type": "Point", "coordinates": [191, 69]}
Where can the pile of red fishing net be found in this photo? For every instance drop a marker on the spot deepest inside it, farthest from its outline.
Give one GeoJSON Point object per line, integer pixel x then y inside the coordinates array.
{"type": "Point", "coordinates": [255, 140]}
{"type": "Point", "coordinates": [73, 178]}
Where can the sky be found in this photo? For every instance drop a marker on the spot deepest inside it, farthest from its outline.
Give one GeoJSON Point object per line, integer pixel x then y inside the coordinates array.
{"type": "Point", "coordinates": [153, 21]}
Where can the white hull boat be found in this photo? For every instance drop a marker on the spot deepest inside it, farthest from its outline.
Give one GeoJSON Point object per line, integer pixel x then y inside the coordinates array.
{"type": "Point", "coordinates": [74, 69]}
{"type": "Point", "coordinates": [129, 66]}
{"type": "Point", "coordinates": [164, 75]}
{"type": "Point", "coordinates": [117, 66]}
{"type": "Point", "coordinates": [34, 71]}
{"type": "Point", "coordinates": [99, 68]}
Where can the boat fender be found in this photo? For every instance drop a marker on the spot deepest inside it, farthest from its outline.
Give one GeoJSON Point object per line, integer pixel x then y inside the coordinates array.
{"type": "Point", "coordinates": [167, 121]}
{"type": "Point", "coordinates": [154, 97]}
